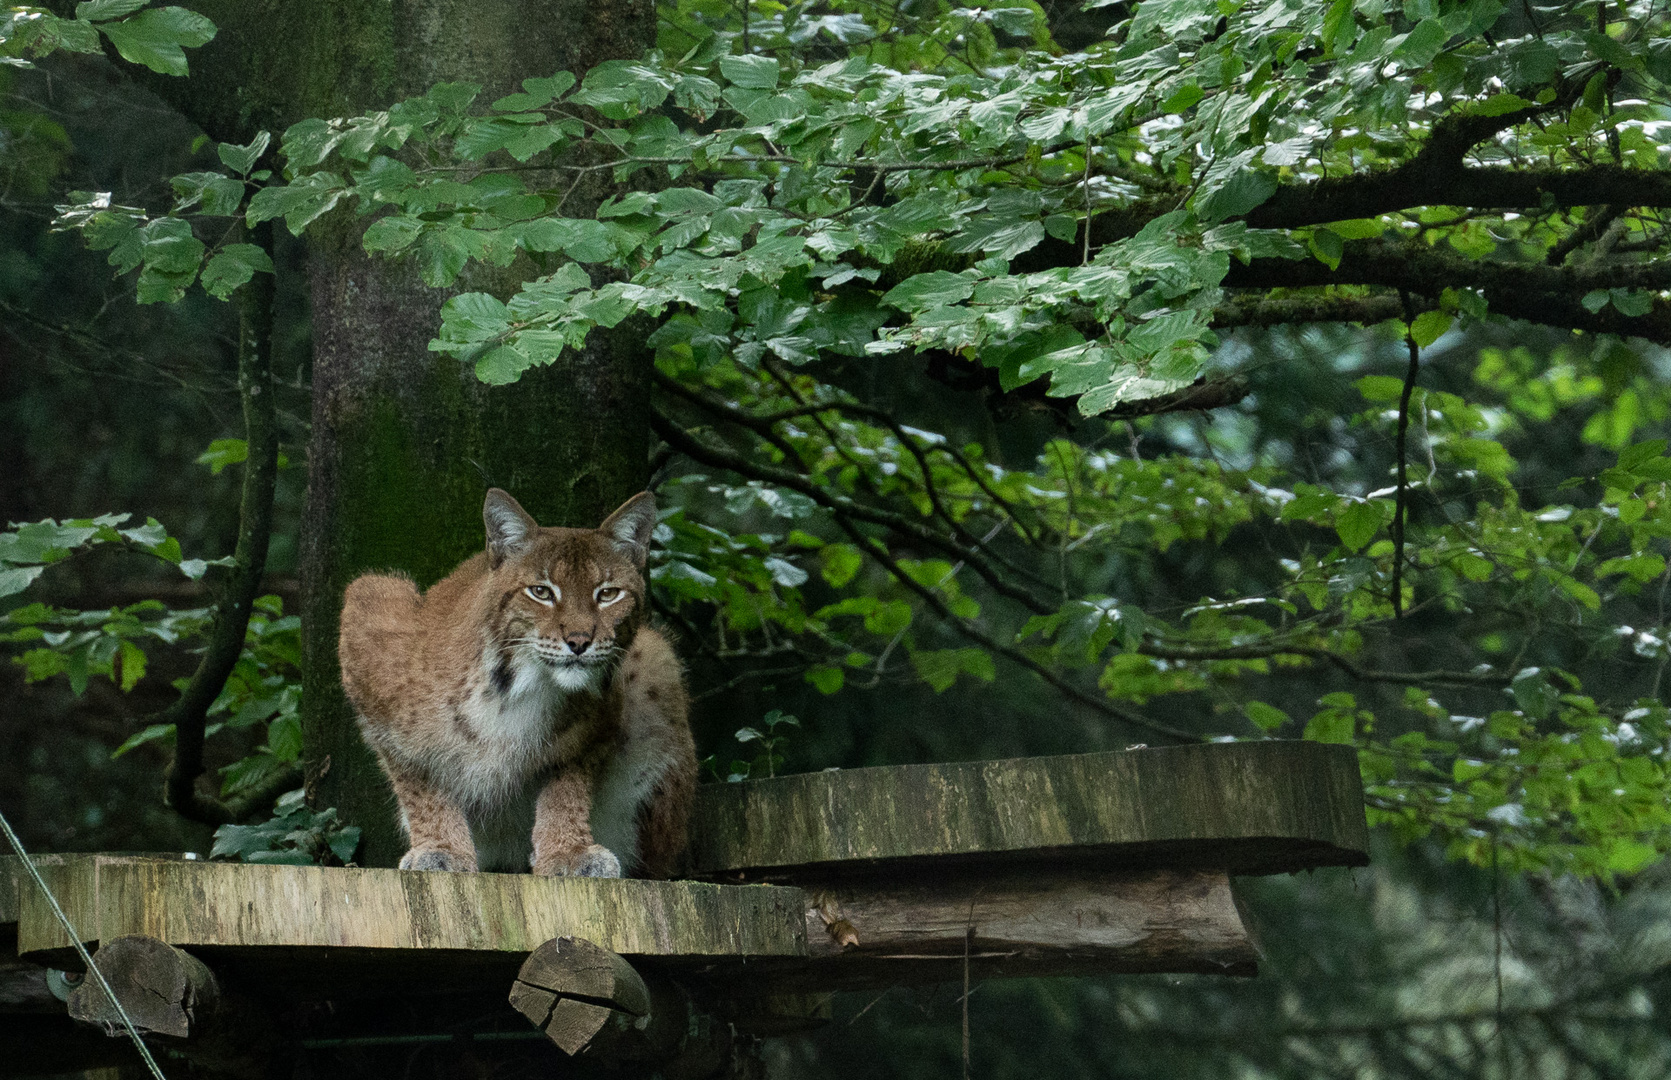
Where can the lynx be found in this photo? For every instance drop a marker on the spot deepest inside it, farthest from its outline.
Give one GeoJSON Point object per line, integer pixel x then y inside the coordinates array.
{"type": "Point", "coordinates": [524, 713]}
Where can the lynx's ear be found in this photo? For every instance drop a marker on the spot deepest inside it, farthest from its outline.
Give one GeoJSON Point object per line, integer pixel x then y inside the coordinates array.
{"type": "Point", "coordinates": [630, 527]}
{"type": "Point", "coordinates": [509, 528]}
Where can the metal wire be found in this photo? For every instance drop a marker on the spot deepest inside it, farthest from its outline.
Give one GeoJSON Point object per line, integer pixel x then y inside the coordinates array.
{"type": "Point", "coordinates": [86, 958]}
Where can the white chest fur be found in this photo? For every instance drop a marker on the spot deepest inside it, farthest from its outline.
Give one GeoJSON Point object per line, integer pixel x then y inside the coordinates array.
{"type": "Point", "coordinates": [499, 738]}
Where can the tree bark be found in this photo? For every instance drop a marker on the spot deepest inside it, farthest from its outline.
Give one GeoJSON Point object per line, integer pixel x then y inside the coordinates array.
{"type": "Point", "coordinates": [405, 442]}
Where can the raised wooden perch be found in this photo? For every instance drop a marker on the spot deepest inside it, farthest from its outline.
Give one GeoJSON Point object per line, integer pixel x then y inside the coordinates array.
{"type": "Point", "coordinates": [1115, 862]}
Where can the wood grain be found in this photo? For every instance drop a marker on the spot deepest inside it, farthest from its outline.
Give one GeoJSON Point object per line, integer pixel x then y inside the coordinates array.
{"type": "Point", "coordinates": [243, 905]}
{"type": "Point", "coordinates": [569, 988]}
{"type": "Point", "coordinates": [1246, 808]}
{"type": "Point", "coordinates": [883, 931]}
{"type": "Point", "coordinates": [165, 990]}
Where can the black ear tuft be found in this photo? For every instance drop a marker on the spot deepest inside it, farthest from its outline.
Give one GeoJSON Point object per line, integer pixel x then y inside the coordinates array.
{"type": "Point", "coordinates": [631, 526]}
{"type": "Point", "coordinates": [509, 528]}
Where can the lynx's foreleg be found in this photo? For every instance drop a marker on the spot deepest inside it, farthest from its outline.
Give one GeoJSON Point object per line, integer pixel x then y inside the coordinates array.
{"type": "Point", "coordinates": [664, 823]}
{"type": "Point", "coordinates": [435, 827]}
{"type": "Point", "coordinates": [563, 843]}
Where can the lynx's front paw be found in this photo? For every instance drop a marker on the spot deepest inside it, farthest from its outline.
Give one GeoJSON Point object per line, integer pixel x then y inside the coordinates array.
{"type": "Point", "coordinates": [437, 859]}
{"type": "Point", "coordinates": [595, 861]}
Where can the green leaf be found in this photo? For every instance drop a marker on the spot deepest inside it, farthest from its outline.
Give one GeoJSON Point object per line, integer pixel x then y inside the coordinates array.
{"type": "Point", "coordinates": [344, 840]}
{"type": "Point", "coordinates": [841, 562]}
{"type": "Point", "coordinates": [1358, 229]}
{"type": "Point", "coordinates": [1632, 302]}
{"type": "Point", "coordinates": [1534, 693]}
{"type": "Point", "coordinates": [1429, 327]}
{"type": "Point", "coordinates": [1643, 566]}
{"type": "Point", "coordinates": [940, 668]}
{"type": "Point", "coordinates": [284, 738]}
{"type": "Point", "coordinates": [1265, 717]}
{"type": "Point", "coordinates": [1328, 247]}
{"type": "Point", "coordinates": [100, 10]}
{"type": "Point", "coordinates": [14, 580]}
{"type": "Point", "coordinates": [827, 680]}
{"type": "Point", "coordinates": [169, 246]}
{"type": "Point", "coordinates": [157, 37]}
{"type": "Point", "coordinates": [1183, 98]}
{"type": "Point", "coordinates": [150, 734]}
{"type": "Point", "coordinates": [215, 194]}
{"type": "Point", "coordinates": [1501, 104]}
{"type": "Point", "coordinates": [1246, 190]}
{"type": "Point", "coordinates": [299, 202]}
{"type": "Point", "coordinates": [132, 663]}
{"type": "Point", "coordinates": [1331, 726]}
{"type": "Point", "coordinates": [1380, 388]}
{"type": "Point", "coordinates": [1358, 523]}
{"type": "Point", "coordinates": [934, 289]}
{"type": "Point", "coordinates": [1015, 21]}
{"type": "Point", "coordinates": [1631, 856]}
{"type": "Point", "coordinates": [241, 159]}
{"type": "Point", "coordinates": [1423, 43]}
{"type": "Point", "coordinates": [750, 72]}
{"type": "Point", "coordinates": [232, 266]}
{"type": "Point", "coordinates": [1634, 457]}
{"type": "Point", "coordinates": [536, 94]}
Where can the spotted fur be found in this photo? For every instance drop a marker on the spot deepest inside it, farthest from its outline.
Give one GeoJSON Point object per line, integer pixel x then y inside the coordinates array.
{"type": "Point", "coordinates": [524, 713]}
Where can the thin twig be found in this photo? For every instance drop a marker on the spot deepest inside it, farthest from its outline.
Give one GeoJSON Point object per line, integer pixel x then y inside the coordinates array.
{"type": "Point", "coordinates": [694, 448]}
{"type": "Point", "coordinates": [878, 551]}
{"type": "Point", "coordinates": [1401, 508]}
{"type": "Point", "coordinates": [1164, 651]}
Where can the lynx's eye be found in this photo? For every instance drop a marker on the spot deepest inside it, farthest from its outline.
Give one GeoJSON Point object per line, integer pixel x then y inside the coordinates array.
{"type": "Point", "coordinates": [606, 594]}
{"type": "Point", "coordinates": [542, 593]}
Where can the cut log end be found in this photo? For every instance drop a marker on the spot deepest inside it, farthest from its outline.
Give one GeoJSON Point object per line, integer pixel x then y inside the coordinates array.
{"type": "Point", "coordinates": [165, 991]}
{"type": "Point", "coordinates": [570, 988]}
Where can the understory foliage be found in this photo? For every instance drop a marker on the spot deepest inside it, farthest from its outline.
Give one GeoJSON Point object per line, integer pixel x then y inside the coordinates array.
{"type": "Point", "coordinates": [263, 691]}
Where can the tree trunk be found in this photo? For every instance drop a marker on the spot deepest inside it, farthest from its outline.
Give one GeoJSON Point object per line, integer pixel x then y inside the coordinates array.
{"type": "Point", "coordinates": [405, 442]}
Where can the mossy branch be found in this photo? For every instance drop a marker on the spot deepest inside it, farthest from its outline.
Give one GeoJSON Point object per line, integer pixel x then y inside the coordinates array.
{"type": "Point", "coordinates": [1535, 292]}
{"type": "Point", "coordinates": [189, 714]}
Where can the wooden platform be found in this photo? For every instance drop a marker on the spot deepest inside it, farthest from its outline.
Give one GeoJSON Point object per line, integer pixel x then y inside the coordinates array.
{"type": "Point", "coordinates": [251, 908]}
{"type": "Point", "coordinates": [1096, 863]}
{"type": "Point", "coordinates": [1245, 808]}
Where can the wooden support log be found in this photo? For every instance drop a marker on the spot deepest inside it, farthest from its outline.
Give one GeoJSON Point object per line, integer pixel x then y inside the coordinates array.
{"type": "Point", "coordinates": [590, 1001]}
{"type": "Point", "coordinates": [568, 987]}
{"type": "Point", "coordinates": [169, 992]}
{"type": "Point", "coordinates": [165, 991]}
{"type": "Point", "coordinates": [887, 930]}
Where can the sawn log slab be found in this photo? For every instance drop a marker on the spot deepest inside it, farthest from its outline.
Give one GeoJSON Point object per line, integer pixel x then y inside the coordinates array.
{"type": "Point", "coordinates": [1245, 808]}
{"type": "Point", "coordinates": [242, 906]}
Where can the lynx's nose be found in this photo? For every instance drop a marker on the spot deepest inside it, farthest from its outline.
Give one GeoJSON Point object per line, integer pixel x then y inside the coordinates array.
{"type": "Point", "coordinates": [578, 643]}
